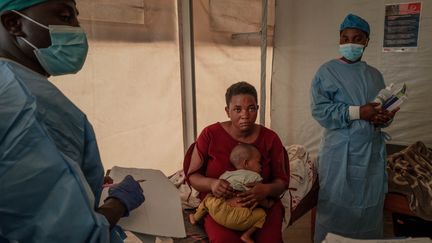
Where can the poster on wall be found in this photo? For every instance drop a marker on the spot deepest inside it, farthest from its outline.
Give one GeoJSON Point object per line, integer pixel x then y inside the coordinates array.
{"type": "Point", "coordinates": [401, 27]}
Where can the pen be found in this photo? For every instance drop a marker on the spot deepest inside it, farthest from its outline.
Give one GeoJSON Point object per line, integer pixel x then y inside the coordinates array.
{"type": "Point", "coordinates": [110, 185]}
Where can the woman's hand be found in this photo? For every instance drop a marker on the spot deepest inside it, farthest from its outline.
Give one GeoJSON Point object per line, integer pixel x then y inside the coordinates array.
{"type": "Point", "coordinates": [221, 188]}
{"type": "Point", "coordinates": [257, 193]}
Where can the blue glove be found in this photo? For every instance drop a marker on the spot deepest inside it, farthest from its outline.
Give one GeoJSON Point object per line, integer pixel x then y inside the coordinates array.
{"type": "Point", "coordinates": [128, 192]}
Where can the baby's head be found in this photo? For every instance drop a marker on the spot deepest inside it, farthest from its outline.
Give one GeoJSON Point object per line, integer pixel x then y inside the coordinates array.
{"type": "Point", "coordinates": [246, 157]}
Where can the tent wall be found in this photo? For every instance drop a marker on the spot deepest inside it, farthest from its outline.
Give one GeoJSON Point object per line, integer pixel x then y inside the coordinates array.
{"type": "Point", "coordinates": [130, 84]}
{"type": "Point", "coordinates": [307, 35]}
{"type": "Point", "coordinates": [227, 50]}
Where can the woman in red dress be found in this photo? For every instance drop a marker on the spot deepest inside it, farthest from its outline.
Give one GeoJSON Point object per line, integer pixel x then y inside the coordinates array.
{"type": "Point", "coordinates": [210, 158]}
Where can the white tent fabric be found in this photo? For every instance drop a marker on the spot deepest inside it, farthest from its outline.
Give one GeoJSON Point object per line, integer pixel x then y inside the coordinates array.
{"type": "Point", "coordinates": [307, 35]}
{"type": "Point", "coordinates": [130, 84]}
{"type": "Point", "coordinates": [227, 50]}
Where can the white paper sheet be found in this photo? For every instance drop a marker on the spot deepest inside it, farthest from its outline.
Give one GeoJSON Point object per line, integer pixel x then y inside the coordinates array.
{"type": "Point", "coordinates": [161, 213]}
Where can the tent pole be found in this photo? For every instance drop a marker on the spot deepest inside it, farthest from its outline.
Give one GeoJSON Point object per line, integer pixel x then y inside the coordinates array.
{"type": "Point", "coordinates": [187, 71]}
{"type": "Point", "coordinates": [263, 33]}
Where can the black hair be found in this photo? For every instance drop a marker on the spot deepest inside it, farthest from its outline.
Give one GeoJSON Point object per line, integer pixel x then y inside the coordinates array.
{"type": "Point", "coordinates": [241, 87]}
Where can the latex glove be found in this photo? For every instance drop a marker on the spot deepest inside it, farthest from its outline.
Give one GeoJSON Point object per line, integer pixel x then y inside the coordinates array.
{"type": "Point", "coordinates": [128, 192]}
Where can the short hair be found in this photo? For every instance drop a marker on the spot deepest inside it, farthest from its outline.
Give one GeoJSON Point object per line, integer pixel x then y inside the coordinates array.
{"type": "Point", "coordinates": [240, 88]}
{"type": "Point", "coordinates": [242, 152]}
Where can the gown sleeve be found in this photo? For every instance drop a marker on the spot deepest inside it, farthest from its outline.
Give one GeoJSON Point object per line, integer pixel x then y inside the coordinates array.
{"type": "Point", "coordinates": [92, 165]}
{"type": "Point", "coordinates": [45, 196]}
{"type": "Point", "coordinates": [327, 112]}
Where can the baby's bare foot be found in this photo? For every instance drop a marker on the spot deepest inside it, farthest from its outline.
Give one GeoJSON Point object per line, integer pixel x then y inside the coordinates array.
{"type": "Point", "coordinates": [192, 219]}
{"type": "Point", "coordinates": [246, 239]}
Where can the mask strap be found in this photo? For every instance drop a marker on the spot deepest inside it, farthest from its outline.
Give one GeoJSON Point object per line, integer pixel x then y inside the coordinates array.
{"type": "Point", "coordinates": [28, 42]}
{"type": "Point", "coordinates": [30, 19]}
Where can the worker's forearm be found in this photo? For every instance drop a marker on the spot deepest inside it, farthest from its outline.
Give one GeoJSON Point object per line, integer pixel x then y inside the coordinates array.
{"type": "Point", "coordinates": [113, 210]}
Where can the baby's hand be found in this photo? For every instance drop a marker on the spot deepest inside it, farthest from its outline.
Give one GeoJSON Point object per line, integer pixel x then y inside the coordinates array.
{"type": "Point", "coordinates": [221, 188]}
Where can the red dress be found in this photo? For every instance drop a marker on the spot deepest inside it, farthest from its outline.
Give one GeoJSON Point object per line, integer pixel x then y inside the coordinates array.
{"type": "Point", "coordinates": [214, 145]}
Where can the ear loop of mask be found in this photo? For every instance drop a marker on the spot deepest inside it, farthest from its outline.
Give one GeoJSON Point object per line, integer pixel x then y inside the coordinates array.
{"type": "Point", "coordinates": [33, 21]}
{"type": "Point", "coordinates": [30, 19]}
{"type": "Point", "coordinates": [28, 42]}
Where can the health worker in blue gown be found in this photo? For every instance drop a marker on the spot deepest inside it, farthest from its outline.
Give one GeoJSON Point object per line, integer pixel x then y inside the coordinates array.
{"type": "Point", "coordinates": [51, 173]}
{"type": "Point", "coordinates": [352, 156]}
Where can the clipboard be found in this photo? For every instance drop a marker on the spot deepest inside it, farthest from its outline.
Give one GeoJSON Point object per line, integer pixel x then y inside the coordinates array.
{"type": "Point", "coordinates": [161, 212]}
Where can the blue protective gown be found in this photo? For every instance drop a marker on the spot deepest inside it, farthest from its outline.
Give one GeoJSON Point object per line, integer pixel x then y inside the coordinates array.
{"type": "Point", "coordinates": [51, 174]}
{"type": "Point", "coordinates": [351, 160]}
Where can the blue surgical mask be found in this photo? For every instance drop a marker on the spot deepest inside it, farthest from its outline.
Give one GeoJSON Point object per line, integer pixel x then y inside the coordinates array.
{"type": "Point", "coordinates": [351, 51]}
{"type": "Point", "coordinates": [67, 52]}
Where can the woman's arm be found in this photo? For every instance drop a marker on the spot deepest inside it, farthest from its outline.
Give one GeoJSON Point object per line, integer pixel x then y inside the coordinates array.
{"type": "Point", "coordinates": [266, 203]}
{"type": "Point", "coordinates": [276, 188]}
{"type": "Point", "coordinates": [201, 183]}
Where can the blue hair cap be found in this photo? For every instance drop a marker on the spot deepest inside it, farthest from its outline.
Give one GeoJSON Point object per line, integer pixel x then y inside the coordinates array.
{"type": "Point", "coordinates": [355, 22]}
{"type": "Point", "coordinates": [18, 4]}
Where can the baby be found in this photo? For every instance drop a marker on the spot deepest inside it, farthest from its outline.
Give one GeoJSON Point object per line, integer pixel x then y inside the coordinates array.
{"type": "Point", "coordinates": [246, 159]}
